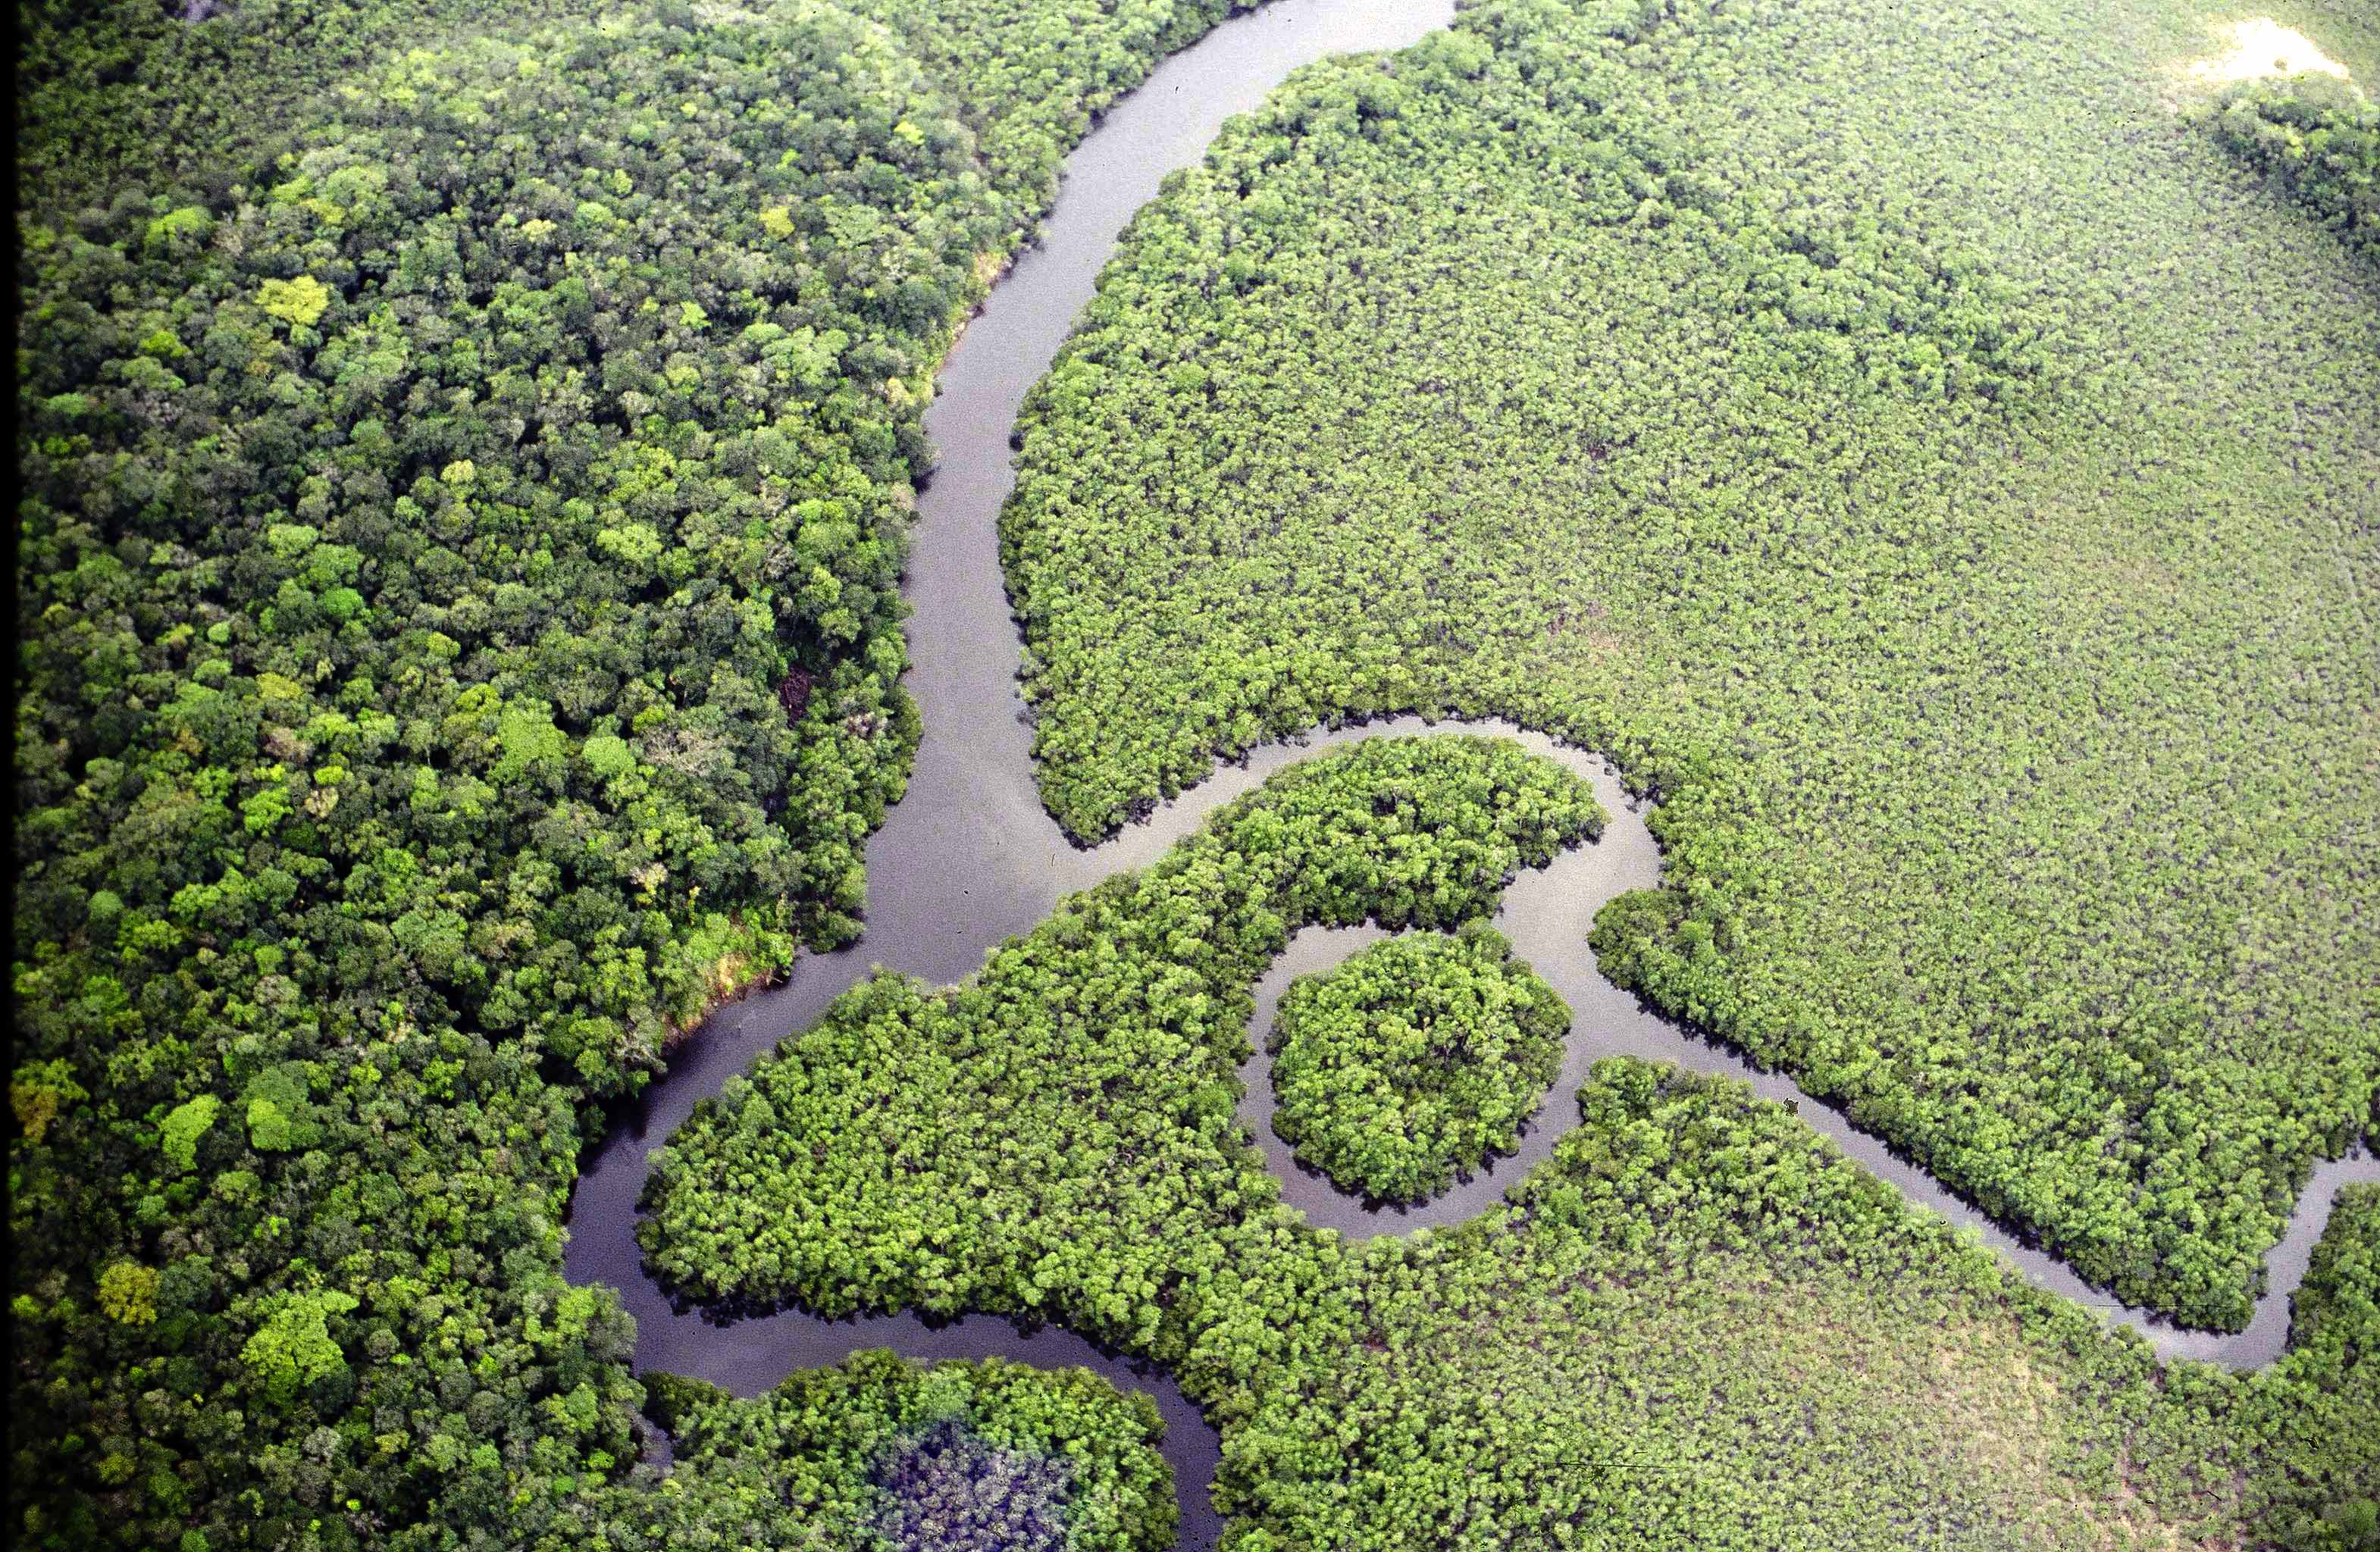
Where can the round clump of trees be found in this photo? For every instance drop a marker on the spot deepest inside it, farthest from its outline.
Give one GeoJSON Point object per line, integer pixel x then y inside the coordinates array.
{"type": "Point", "coordinates": [1412, 1062]}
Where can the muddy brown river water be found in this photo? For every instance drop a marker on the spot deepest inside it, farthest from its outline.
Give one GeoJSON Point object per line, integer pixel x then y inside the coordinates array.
{"type": "Point", "coordinates": [969, 857]}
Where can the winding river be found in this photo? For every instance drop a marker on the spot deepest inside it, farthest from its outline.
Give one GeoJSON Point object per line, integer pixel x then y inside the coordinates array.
{"type": "Point", "coordinates": [969, 857]}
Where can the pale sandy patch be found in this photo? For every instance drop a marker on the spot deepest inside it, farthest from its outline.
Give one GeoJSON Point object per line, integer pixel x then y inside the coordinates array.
{"type": "Point", "coordinates": [2253, 50]}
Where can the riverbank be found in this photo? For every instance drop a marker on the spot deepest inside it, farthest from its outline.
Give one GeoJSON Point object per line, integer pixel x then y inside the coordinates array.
{"type": "Point", "coordinates": [970, 857]}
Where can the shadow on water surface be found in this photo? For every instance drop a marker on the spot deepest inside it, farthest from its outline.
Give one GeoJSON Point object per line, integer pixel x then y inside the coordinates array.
{"type": "Point", "coordinates": [969, 857]}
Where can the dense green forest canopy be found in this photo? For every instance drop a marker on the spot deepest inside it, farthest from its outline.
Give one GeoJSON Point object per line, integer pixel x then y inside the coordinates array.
{"type": "Point", "coordinates": [1943, 475]}
{"type": "Point", "coordinates": [1413, 1061]}
{"type": "Point", "coordinates": [2322, 136]}
{"type": "Point", "coordinates": [1054, 1128]}
{"type": "Point", "coordinates": [124, 94]}
{"type": "Point", "coordinates": [1697, 1321]}
{"type": "Point", "coordinates": [467, 456]}
{"type": "Point", "coordinates": [990, 1457]}
{"type": "Point", "coordinates": [448, 586]}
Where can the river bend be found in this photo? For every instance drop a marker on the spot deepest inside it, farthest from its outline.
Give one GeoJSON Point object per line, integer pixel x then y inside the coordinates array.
{"type": "Point", "coordinates": [969, 857]}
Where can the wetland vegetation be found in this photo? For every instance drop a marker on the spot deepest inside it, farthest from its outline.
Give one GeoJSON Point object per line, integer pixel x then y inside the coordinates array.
{"type": "Point", "coordinates": [1413, 1061]}
{"type": "Point", "coordinates": [469, 460]}
{"type": "Point", "coordinates": [1697, 1320]}
{"type": "Point", "coordinates": [1982, 592]}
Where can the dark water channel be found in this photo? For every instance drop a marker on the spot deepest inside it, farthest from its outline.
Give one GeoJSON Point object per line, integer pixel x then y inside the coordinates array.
{"type": "Point", "coordinates": [969, 857]}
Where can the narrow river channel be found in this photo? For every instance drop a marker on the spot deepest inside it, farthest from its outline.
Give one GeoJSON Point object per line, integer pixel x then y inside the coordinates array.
{"type": "Point", "coordinates": [969, 857]}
